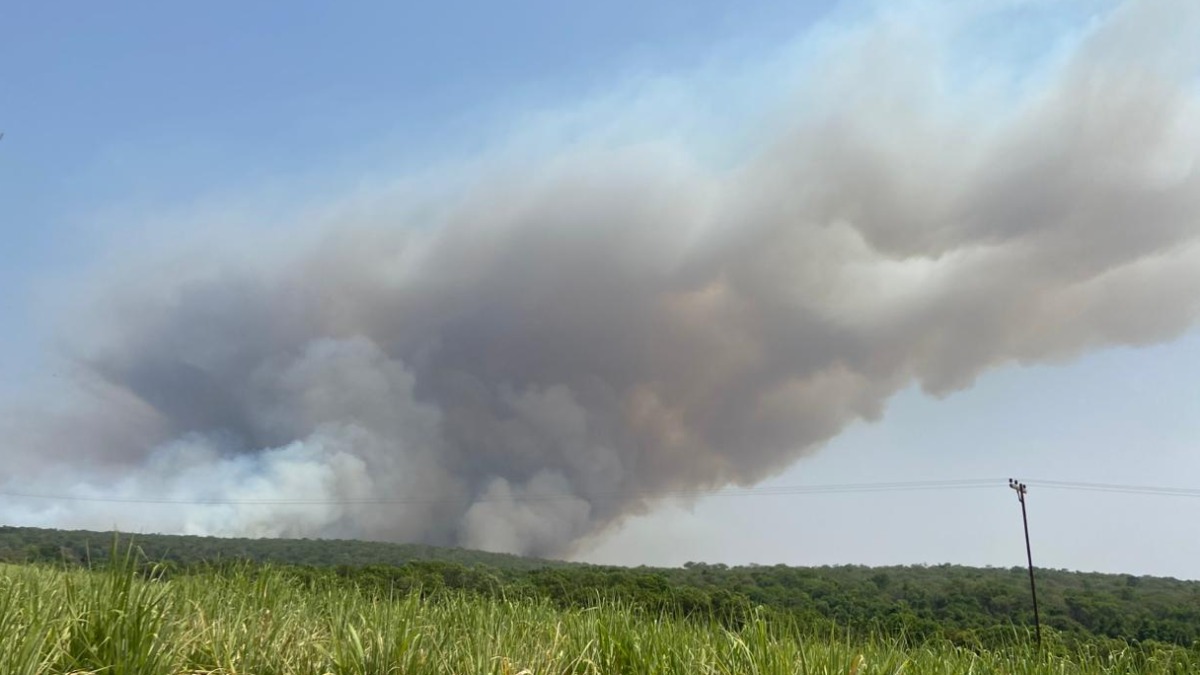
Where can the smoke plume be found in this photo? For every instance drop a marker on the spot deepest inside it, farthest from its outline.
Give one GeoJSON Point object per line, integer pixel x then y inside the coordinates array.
{"type": "Point", "coordinates": [557, 347]}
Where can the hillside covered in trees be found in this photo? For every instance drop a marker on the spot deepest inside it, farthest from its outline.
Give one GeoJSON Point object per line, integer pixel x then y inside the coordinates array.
{"type": "Point", "coordinates": [968, 605]}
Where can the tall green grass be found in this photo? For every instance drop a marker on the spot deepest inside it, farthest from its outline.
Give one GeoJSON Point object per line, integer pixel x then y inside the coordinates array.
{"type": "Point", "coordinates": [258, 621]}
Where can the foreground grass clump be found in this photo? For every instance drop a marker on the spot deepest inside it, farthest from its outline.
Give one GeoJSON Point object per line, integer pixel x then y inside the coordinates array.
{"type": "Point", "coordinates": [259, 621]}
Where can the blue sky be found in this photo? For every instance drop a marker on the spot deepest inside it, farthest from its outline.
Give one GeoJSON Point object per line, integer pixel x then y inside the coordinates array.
{"type": "Point", "coordinates": [137, 108]}
{"type": "Point", "coordinates": [124, 120]}
{"type": "Point", "coordinates": [1122, 416]}
{"type": "Point", "coordinates": [130, 109]}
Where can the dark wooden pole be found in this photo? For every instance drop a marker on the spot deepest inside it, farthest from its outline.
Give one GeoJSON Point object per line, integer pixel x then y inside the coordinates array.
{"type": "Point", "coordinates": [1037, 623]}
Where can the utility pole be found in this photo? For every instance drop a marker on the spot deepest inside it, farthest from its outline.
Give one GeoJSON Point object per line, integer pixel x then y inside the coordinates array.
{"type": "Point", "coordinates": [1020, 489]}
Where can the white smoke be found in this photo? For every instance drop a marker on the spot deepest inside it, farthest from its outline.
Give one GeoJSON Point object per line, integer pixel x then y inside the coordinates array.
{"type": "Point", "coordinates": [558, 347]}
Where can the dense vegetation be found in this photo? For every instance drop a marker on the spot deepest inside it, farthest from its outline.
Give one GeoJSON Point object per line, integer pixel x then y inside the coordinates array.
{"type": "Point", "coordinates": [255, 619]}
{"type": "Point", "coordinates": [969, 606]}
{"type": "Point", "coordinates": [33, 544]}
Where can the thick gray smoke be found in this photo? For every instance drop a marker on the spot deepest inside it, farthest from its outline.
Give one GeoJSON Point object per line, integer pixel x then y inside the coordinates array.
{"type": "Point", "coordinates": [560, 346]}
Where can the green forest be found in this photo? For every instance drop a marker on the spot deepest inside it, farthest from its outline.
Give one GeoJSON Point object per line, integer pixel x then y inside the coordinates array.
{"type": "Point", "coordinates": [965, 605]}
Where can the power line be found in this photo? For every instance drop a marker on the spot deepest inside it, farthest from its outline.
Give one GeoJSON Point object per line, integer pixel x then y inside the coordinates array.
{"type": "Point", "coordinates": [844, 488]}
{"type": "Point", "coordinates": [760, 491]}
{"type": "Point", "coordinates": [1117, 488]}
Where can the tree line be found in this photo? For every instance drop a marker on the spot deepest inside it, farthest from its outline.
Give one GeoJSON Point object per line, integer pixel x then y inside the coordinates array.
{"type": "Point", "coordinates": [971, 606]}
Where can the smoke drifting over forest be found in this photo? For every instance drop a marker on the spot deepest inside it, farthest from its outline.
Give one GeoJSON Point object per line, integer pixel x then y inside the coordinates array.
{"type": "Point", "coordinates": [559, 346]}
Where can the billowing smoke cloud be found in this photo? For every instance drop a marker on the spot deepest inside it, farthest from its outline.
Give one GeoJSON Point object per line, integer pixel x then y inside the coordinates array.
{"type": "Point", "coordinates": [561, 345]}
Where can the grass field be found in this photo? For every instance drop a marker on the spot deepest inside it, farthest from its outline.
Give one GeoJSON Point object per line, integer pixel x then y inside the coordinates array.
{"type": "Point", "coordinates": [261, 622]}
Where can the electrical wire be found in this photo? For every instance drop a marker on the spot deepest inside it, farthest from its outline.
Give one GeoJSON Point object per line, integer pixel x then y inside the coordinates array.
{"type": "Point", "coordinates": [759, 491]}
{"type": "Point", "coordinates": [844, 488]}
{"type": "Point", "coordinates": [1156, 490]}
